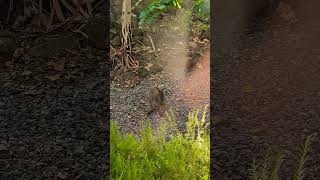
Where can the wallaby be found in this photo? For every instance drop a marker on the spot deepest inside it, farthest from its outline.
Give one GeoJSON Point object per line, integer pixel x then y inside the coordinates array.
{"type": "Point", "coordinates": [155, 99]}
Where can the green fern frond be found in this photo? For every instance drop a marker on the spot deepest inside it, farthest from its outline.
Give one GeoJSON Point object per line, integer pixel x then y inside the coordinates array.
{"type": "Point", "coordinates": [265, 167]}
{"type": "Point", "coordinates": [276, 166]}
{"type": "Point", "coordinates": [305, 148]}
{"type": "Point", "coordinates": [253, 171]}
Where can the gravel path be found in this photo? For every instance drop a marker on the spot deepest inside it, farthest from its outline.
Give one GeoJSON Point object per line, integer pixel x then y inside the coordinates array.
{"type": "Point", "coordinates": [128, 106]}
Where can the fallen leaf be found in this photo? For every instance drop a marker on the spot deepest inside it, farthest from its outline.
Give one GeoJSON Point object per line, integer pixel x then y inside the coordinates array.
{"type": "Point", "coordinates": [57, 65]}
{"type": "Point", "coordinates": [90, 56]}
{"type": "Point", "coordinates": [33, 92]}
{"type": "Point", "coordinates": [8, 64]}
{"type": "Point", "coordinates": [247, 89]}
{"type": "Point", "coordinates": [148, 66]}
{"type": "Point", "coordinates": [26, 73]}
{"type": "Point", "coordinates": [62, 175]}
{"type": "Point", "coordinates": [93, 84]}
{"type": "Point", "coordinates": [53, 77]}
{"type": "Point", "coordinates": [78, 177]}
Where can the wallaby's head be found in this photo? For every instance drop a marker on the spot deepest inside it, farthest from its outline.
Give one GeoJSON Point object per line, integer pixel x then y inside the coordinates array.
{"type": "Point", "coordinates": [156, 96]}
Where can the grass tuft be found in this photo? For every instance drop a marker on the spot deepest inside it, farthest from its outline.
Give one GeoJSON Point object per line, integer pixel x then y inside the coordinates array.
{"type": "Point", "coordinates": [151, 156]}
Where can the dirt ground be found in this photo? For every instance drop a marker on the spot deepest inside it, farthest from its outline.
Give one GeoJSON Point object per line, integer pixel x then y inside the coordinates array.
{"type": "Point", "coordinates": [268, 96]}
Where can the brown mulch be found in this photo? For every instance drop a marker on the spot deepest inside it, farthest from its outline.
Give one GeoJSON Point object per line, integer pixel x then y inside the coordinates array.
{"type": "Point", "coordinates": [53, 109]}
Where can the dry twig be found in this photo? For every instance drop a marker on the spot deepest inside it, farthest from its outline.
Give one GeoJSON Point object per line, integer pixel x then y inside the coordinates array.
{"type": "Point", "coordinates": [122, 58]}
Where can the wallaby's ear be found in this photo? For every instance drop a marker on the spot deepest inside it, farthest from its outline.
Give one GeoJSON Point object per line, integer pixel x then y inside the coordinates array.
{"type": "Point", "coordinates": [162, 95]}
{"type": "Point", "coordinates": [161, 88]}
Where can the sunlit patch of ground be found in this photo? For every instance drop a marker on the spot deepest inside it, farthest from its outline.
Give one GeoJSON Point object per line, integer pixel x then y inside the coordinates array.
{"type": "Point", "coordinates": [196, 87]}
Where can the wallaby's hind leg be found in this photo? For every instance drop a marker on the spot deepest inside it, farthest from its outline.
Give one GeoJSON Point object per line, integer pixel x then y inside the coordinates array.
{"type": "Point", "coordinates": [149, 113]}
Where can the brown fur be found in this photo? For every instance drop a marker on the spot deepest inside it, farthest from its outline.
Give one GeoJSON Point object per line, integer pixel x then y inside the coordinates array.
{"type": "Point", "coordinates": [155, 99]}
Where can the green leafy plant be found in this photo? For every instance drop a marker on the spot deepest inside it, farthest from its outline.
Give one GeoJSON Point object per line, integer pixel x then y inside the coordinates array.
{"type": "Point", "coordinates": [155, 8]}
{"type": "Point", "coordinates": [191, 17]}
{"type": "Point", "coordinates": [201, 12]}
{"type": "Point", "coordinates": [152, 156]}
{"type": "Point", "coordinates": [158, 7]}
{"type": "Point", "coordinates": [202, 6]}
{"type": "Point", "coordinates": [268, 169]}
